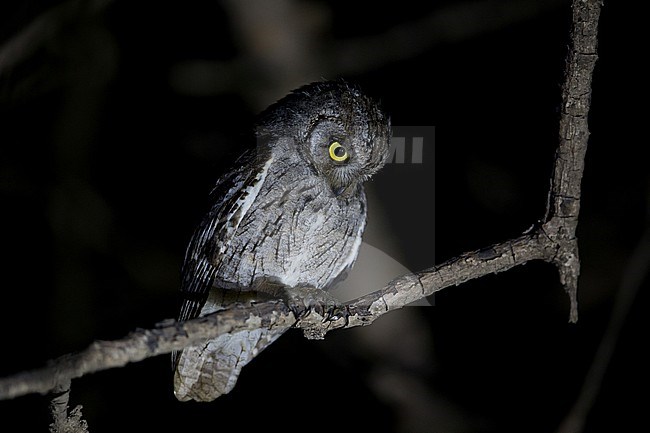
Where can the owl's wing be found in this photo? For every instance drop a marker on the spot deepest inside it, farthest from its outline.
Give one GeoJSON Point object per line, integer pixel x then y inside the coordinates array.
{"type": "Point", "coordinates": [231, 197]}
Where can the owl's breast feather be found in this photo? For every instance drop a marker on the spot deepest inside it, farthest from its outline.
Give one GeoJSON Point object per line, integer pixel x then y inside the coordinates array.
{"type": "Point", "coordinates": [296, 233]}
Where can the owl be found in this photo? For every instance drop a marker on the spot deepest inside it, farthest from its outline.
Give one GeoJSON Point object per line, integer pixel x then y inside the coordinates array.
{"type": "Point", "coordinates": [288, 217]}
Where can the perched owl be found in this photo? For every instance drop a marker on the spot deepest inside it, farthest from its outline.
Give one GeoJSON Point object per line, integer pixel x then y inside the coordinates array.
{"type": "Point", "coordinates": [289, 216]}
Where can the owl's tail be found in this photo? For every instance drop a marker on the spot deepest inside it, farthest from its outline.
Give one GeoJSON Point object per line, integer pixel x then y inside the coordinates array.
{"type": "Point", "coordinates": [206, 372]}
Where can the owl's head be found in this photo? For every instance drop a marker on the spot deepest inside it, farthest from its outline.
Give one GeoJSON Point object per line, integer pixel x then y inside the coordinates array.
{"type": "Point", "coordinates": [337, 130]}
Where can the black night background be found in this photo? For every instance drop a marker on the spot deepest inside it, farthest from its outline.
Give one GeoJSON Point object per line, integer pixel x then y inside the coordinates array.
{"type": "Point", "coordinates": [116, 118]}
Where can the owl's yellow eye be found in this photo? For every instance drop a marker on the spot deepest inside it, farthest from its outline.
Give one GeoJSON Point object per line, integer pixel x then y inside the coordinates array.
{"type": "Point", "coordinates": [338, 152]}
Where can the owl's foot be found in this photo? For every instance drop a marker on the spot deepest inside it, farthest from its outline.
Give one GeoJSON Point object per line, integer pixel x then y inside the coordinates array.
{"type": "Point", "coordinates": [304, 301]}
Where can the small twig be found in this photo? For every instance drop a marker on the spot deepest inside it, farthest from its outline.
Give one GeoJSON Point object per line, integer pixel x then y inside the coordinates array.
{"type": "Point", "coordinates": [59, 406]}
{"type": "Point", "coordinates": [62, 421]}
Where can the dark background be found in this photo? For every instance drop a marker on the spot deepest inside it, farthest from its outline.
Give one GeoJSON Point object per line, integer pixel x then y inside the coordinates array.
{"type": "Point", "coordinates": [117, 117]}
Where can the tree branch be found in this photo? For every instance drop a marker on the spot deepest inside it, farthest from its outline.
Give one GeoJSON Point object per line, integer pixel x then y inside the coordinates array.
{"type": "Point", "coordinates": [171, 335]}
{"type": "Point", "coordinates": [553, 241]}
{"type": "Point", "coordinates": [564, 196]}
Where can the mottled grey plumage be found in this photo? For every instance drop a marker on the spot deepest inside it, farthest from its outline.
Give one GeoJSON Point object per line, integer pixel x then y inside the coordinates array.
{"type": "Point", "coordinates": [289, 215]}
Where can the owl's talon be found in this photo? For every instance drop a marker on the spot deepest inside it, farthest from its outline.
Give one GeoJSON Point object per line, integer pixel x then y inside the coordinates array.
{"type": "Point", "coordinates": [303, 301]}
{"type": "Point", "coordinates": [298, 311]}
{"type": "Point", "coordinates": [337, 312]}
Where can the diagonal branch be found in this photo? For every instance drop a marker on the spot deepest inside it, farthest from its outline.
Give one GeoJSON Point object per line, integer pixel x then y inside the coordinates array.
{"type": "Point", "coordinates": [171, 335]}
{"type": "Point", "coordinates": [553, 241]}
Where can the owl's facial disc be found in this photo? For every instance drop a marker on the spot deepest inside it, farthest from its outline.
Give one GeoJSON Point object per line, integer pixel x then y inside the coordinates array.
{"type": "Point", "coordinates": [341, 133]}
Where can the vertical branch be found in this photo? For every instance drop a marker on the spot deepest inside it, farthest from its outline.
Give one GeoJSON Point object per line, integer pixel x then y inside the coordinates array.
{"type": "Point", "coordinates": [59, 406]}
{"type": "Point", "coordinates": [564, 197]}
{"type": "Point", "coordinates": [62, 422]}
